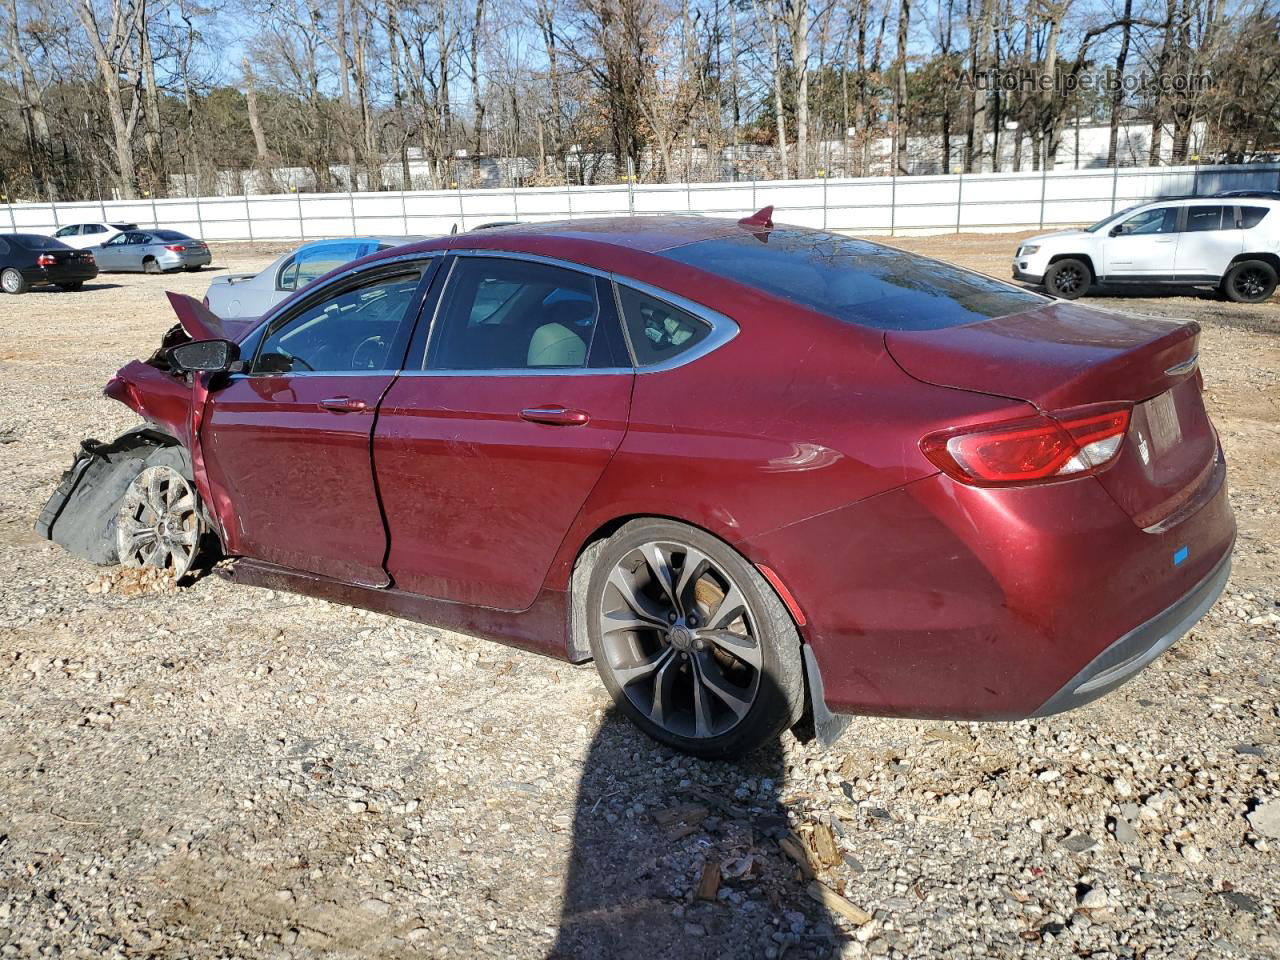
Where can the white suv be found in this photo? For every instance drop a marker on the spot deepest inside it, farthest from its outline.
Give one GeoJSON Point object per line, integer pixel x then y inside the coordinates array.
{"type": "Point", "coordinates": [83, 235]}
{"type": "Point", "coordinates": [1232, 243]}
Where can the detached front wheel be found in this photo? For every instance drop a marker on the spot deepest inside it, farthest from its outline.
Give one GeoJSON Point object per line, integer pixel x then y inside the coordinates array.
{"type": "Point", "coordinates": [1068, 279]}
{"type": "Point", "coordinates": [159, 523]}
{"type": "Point", "coordinates": [691, 642]}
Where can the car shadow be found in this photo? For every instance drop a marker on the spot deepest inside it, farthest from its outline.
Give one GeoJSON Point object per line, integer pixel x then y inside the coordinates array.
{"type": "Point", "coordinates": [87, 288]}
{"type": "Point", "coordinates": [674, 856]}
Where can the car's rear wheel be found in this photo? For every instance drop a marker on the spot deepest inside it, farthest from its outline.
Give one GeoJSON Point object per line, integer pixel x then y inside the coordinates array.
{"type": "Point", "coordinates": [72, 287]}
{"type": "Point", "coordinates": [149, 265]}
{"type": "Point", "coordinates": [159, 522]}
{"type": "Point", "coordinates": [1250, 281]}
{"type": "Point", "coordinates": [1068, 278]}
{"type": "Point", "coordinates": [691, 642]}
{"type": "Point", "coordinates": [11, 281]}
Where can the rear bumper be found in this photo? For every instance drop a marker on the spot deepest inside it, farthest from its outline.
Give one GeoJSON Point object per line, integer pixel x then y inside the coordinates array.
{"type": "Point", "coordinates": [59, 274]}
{"type": "Point", "coordinates": [937, 600]}
{"type": "Point", "coordinates": [1122, 660]}
{"type": "Point", "coordinates": [173, 261]}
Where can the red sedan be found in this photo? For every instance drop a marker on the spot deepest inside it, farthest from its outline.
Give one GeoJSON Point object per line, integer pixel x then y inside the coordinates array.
{"type": "Point", "coordinates": [753, 471]}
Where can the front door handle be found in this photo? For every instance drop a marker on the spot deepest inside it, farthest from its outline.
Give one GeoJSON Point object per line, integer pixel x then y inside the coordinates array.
{"type": "Point", "coordinates": [343, 405]}
{"type": "Point", "coordinates": [556, 416]}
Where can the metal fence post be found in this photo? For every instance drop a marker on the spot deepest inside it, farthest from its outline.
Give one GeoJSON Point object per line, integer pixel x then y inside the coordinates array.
{"type": "Point", "coordinates": [199, 219]}
{"type": "Point", "coordinates": [102, 205]}
{"type": "Point", "coordinates": [302, 232]}
{"type": "Point", "coordinates": [824, 199]}
{"type": "Point", "coordinates": [462, 209]}
{"type": "Point", "coordinates": [631, 187]}
{"type": "Point", "coordinates": [568, 192]}
{"type": "Point", "coordinates": [1115, 181]}
{"type": "Point", "coordinates": [515, 199]}
{"type": "Point", "coordinates": [1195, 181]}
{"type": "Point", "coordinates": [404, 212]}
{"type": "Point", "coordinates": [893, 201]}
{"type": "Point", "coordinates": [13, 223]}
{"type": "Point", "coordinates": [351, 203]}
{"type": "Point", "coordinates": [155, 217]}
{"type": "Point", "coordinates": [53, 209]}
{"type": "Point", "coordinates": [248, 217]}
{"type": "Point", "coordinates": [959, 198]}
{"type": "Point", "coordinates": [1044, 176]}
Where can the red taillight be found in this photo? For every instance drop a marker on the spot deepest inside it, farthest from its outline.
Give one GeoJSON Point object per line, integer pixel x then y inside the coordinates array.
{"type": "Point", "coordinates": [1038, 449]}
{"type": "Point", "coordinates": [87, 258]}
{"type": "Point", "coordinates": [46, 260]}
{"type": "Point", "coordinates": [175, 247]}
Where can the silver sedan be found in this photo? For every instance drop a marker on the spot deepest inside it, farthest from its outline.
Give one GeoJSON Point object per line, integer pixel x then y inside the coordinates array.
{"type": "Point", "coordinates": [152, 251]}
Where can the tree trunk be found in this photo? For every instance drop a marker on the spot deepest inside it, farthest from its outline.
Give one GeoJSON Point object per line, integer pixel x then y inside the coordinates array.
{"type": "Point", "coordinates": [1117, 95]}
{"type": "Point", "coordinates": [900, 89]}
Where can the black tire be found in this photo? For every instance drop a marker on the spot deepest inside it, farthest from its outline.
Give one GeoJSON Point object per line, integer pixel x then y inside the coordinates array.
{"type": "Point", "coordinates": [72, 287]}
{"type": "Point", "coordinates": [1250, 281]}
{"type": "Point", "coordinates": [150, 266]}
{"type": "Point", "coordinates": [1068, 279]}
{"type": "Point", "coordinates": [12, 281]}
{"type": "Point", "coordinates": [775, 687]}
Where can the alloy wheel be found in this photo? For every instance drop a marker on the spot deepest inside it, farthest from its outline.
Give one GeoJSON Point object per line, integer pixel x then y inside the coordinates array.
{"type": "Point", "coordinates": [680, 640]}
{"type": "Point", "coordinates": [1250, 284]}
{"type": "Point", "coordinates": [158, 524]}
{"type": "Point", "coordinates": [11, 280]}
{"type": "Point", "coordinates": [1068, 280]}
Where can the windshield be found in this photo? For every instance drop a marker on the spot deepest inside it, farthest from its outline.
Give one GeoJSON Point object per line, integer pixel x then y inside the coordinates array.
{"type": "Point", "coordinates": [1113, 217]}
{"type": "Point", "coordinates": [855, 280]}
{"type": "Point", "coordinates": [35, 241]}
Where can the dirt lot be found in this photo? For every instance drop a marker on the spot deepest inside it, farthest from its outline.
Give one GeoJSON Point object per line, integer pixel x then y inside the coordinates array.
{"type": "Point", "coordinates": [222, 771]}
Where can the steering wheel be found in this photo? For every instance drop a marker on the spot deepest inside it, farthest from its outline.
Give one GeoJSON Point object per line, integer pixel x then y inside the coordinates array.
{"type": "Point", "coordinates": [375, 346]}
{"type": "Point", "coordinates": [294, 361]}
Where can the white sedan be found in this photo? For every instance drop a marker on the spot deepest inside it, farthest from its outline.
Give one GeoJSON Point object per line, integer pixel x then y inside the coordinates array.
{"type": "Point", "coordinates": [84, 235]}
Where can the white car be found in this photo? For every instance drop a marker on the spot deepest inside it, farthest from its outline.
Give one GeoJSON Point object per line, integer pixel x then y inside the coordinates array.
{"type": "Point", "coordinates": [85, 235]}
{"type": "Point", "coordinates": [1232, 243]}
{"type": "Point", "coordinates": [249, 295]}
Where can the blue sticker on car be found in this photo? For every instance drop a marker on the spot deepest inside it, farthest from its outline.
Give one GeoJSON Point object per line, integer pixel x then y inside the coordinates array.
{"type": "Point", "coordinates": [1179, 555]}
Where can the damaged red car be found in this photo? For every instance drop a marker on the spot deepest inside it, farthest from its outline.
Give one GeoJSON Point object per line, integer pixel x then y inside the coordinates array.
{"type": "Point", "coordinates": [757, 473]}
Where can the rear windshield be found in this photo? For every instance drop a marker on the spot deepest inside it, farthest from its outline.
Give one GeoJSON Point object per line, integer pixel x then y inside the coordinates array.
{"type": "Point", "coordinates": [168, 236]}
{"type": "Point", "coordinates": [125, 226]}
{"type": "Point", "coordinates": [35, 241]}
{"type": "Point", "coordinates": [856, 281]}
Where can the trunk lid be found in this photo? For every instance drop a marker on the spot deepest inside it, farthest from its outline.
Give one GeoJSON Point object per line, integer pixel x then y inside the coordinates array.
{"type": "Point", "coordinates": [1065, 355]}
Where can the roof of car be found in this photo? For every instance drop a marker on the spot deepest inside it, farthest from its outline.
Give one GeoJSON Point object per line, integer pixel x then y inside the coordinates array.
{"type": "Point", "coordinates": [649, 234]}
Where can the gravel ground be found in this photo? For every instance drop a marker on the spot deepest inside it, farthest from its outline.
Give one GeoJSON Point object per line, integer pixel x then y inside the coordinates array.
{"type": "Point", "coordinates": [218, 771]}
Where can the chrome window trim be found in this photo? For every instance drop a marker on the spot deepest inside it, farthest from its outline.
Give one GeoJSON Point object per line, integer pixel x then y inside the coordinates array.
{"type": "Point", "coordinates": [723, 328]}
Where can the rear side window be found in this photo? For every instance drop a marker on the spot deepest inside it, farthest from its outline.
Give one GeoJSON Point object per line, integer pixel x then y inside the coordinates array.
{"type": "Point", "coordinates": [1251, 216]}
{"type": "Point", "coordinates": [169, 236]}
{"type": "Point", "coordinates": [658, 331]}
{"type": "Point", "coordinates": [1200, 219]}
{"type": "Point", "coordinates": [500, 314]}
{"type": "Point", "coordinates": [856, 281]}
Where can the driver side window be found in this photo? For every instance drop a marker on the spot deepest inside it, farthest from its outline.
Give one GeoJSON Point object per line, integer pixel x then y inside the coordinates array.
{"type": "Point", "coordinates": [1159, 220]}
{"type": "Point", "coordinates": [347, 332]}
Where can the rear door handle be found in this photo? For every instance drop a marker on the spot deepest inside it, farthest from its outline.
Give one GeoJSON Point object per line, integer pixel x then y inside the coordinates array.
{"type": "Point", "coordinates": [556, 416]}
{"type": "Point", "coordinates": [343, 405]}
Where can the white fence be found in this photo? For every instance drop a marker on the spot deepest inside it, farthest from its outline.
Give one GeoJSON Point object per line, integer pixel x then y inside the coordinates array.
{"type": "Point", "coordinates": [935, 204]}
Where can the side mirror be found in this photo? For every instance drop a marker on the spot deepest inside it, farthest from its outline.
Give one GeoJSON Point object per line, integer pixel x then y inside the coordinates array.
{"type": "Point", "coordinates": [205, 356]}
{"type": "Point", "coordinates": [1116, 230]}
